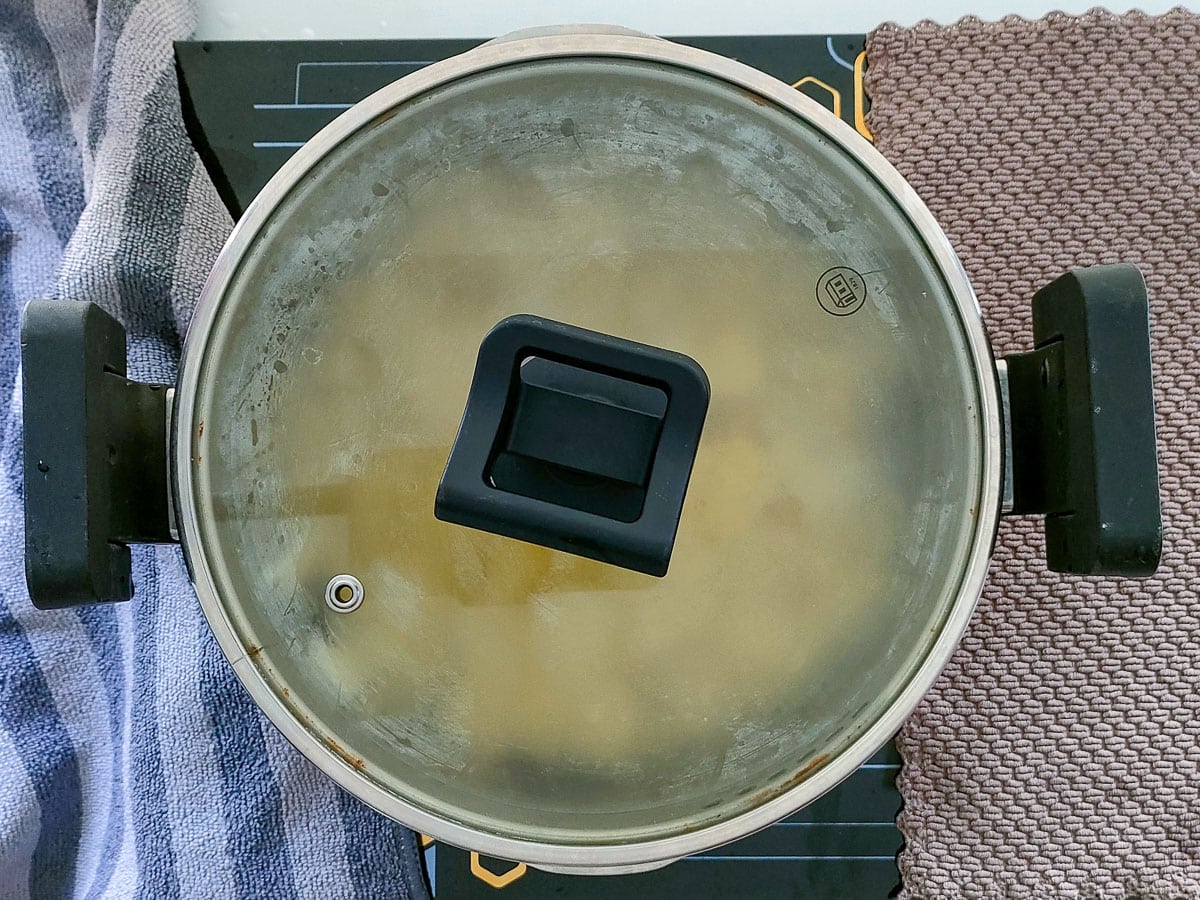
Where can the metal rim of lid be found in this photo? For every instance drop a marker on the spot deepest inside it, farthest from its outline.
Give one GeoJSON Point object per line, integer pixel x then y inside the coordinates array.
{"type": "Point", "coordinates": [591, 858]}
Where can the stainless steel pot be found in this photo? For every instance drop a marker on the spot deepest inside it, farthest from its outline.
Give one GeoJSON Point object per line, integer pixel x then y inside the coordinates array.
{"type": "Point", "coordinates": [671, 549]}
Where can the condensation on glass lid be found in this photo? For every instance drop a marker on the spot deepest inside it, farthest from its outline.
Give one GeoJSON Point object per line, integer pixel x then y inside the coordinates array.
{"type": "Point", "coordinates": [537, 690]}
{"type": "Point", "coordinates": [614, 655]}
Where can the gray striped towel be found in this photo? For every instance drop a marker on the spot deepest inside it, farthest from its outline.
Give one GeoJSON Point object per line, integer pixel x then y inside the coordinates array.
{"type": "Point", "coordinates": [132, 763]}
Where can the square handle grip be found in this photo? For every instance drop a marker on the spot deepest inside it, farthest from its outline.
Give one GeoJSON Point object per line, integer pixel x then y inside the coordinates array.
{"type": "Point", "coordinates": [1083, 440]}
{"type": "Point", "coordinates": [95, 456]}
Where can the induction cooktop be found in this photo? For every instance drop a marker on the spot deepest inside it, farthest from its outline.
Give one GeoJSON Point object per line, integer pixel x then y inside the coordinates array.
{"type": "Point", "coordinates": [250, 105]}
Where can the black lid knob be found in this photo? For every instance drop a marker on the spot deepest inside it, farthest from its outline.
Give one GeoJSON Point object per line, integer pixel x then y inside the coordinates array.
{"type": "Point", "coordinates": [578, 441]}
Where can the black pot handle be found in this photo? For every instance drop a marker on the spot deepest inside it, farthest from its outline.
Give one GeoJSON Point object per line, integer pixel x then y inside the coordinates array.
{"type": "Point", "coordinates": [1082, 424]}
{"type": "Point", "coordinates": [95, 456]}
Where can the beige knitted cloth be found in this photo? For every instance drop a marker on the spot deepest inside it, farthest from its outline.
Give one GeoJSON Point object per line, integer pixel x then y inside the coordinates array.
{"type": "Point", "coordinates": [1059, 754]}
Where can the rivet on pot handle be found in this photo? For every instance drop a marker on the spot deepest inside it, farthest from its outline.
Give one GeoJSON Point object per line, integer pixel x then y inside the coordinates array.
{"type": "Point", "coordinates": [1082, 424]}
{"type": "Point", "coordinates": [95, 456]}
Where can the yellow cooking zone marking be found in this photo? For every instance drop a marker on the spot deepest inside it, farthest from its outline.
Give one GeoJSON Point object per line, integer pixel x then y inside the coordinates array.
{"type": "Point", "coordinates": [860, 96]}
{"type": "Point", "coordinates": [860, 112]}
{"type": "Point", "coordinates": [833, 92]}
{"type": "Point", "coordinates": [491, 878]}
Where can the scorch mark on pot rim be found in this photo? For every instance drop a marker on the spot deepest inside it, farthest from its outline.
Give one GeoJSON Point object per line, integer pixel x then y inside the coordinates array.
{"type": "Point", "coordinates": [807, 769]}
{"type": "Point", "coordinates": [355, 762]}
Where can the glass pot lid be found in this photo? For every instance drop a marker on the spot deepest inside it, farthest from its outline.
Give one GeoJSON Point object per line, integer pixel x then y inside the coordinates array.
{"type": "Point", "coordinates": [512, 688]}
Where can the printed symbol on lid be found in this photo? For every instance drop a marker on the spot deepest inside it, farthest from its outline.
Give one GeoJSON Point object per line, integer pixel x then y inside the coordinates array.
{"type": "Point", "coordinates": [841, 291]}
